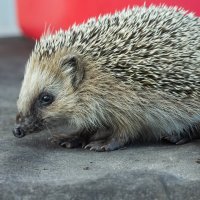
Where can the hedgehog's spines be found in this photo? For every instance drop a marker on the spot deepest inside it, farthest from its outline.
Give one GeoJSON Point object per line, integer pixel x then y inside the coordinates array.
{"type": "Point", "coordinates": [153, 37]}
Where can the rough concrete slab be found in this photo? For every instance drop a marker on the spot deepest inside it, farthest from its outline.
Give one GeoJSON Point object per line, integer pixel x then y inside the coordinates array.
{"type": "Point", "coordinates": [32, 168]}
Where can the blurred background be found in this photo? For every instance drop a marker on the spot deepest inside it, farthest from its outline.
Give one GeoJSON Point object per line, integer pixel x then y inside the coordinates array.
{"type": "Point", "coordinates": [32, 17]}
{"type": "Point", "coordinates": [8, 19]}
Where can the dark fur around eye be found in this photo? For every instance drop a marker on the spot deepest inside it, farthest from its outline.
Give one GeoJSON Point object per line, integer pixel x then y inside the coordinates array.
{"type": "Point", "coordinates": [46, 99]}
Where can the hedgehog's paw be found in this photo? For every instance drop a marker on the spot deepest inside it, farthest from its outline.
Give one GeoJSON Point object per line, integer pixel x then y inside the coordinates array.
{"type": "Point", "coordinates": [66, 141]}
{"type": "Point", "coordinates": [176, 139]}
{"type": "Point", "coordinates": [104, 145]}
{"type": "Point", "coordinates": [95, 145]}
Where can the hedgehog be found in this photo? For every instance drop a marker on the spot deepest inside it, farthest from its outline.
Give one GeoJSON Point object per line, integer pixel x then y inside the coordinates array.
{"type": "Point", "coordinates": [119, 78]}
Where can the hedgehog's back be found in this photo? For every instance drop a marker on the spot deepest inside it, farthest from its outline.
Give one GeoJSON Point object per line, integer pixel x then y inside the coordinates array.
{"type": "Point", "coordinates": [155, 47]}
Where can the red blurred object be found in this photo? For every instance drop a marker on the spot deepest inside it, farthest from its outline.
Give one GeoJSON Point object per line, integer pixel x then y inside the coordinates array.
{"type": "Point", "coordinates": [34, 16]}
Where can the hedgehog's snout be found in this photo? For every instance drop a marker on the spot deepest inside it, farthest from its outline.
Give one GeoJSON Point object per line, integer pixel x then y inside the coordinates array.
{"type": "Point", "coordinates": [18, 132]}
{"type": "Point", "coordinates": [26, 125]}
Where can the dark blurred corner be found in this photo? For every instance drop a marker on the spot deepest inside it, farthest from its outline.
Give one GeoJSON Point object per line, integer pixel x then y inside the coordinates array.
{"type": "Point", "coordinates": [14, 52]}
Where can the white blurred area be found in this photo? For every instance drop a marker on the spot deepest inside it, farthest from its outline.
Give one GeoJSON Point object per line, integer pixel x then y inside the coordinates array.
{"type": "Point", "coordinates": [8, 22]}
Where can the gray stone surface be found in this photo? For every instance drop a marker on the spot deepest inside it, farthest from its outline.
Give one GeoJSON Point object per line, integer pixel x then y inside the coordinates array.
{"type": "Point", "coordinates": [32, 168]}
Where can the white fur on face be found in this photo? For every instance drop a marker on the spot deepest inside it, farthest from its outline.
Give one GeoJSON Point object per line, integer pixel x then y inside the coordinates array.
{"type": "Point", "coordinates": [44, 76]}
{"type": "Point", "coordinates": [36, 80]}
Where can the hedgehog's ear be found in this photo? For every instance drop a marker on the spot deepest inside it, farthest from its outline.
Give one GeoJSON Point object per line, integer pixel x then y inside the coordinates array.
{"type": "Point", "coordinates": [72, 64]}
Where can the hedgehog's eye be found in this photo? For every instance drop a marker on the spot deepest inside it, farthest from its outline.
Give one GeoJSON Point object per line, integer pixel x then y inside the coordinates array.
{"type": "Point", "coordinates": [46, 99]}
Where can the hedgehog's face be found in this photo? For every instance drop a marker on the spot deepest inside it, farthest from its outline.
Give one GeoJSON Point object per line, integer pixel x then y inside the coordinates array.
{"type": "Point", "coordinates": [47, 93]}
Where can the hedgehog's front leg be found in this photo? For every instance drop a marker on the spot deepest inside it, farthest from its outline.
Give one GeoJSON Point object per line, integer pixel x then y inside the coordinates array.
{"type": "Point", "coordinates": [105, 140]}
{"type": "Point", "coordinates": [69, 141]}
{"type": "Point", "coordinates": [66, 141]}
{"type": "Point", "coordinates": [108, 144]}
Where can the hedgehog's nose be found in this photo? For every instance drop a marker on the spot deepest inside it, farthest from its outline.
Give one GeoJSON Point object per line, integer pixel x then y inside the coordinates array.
{"type": "Point", "coordinates": [18, 132]}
